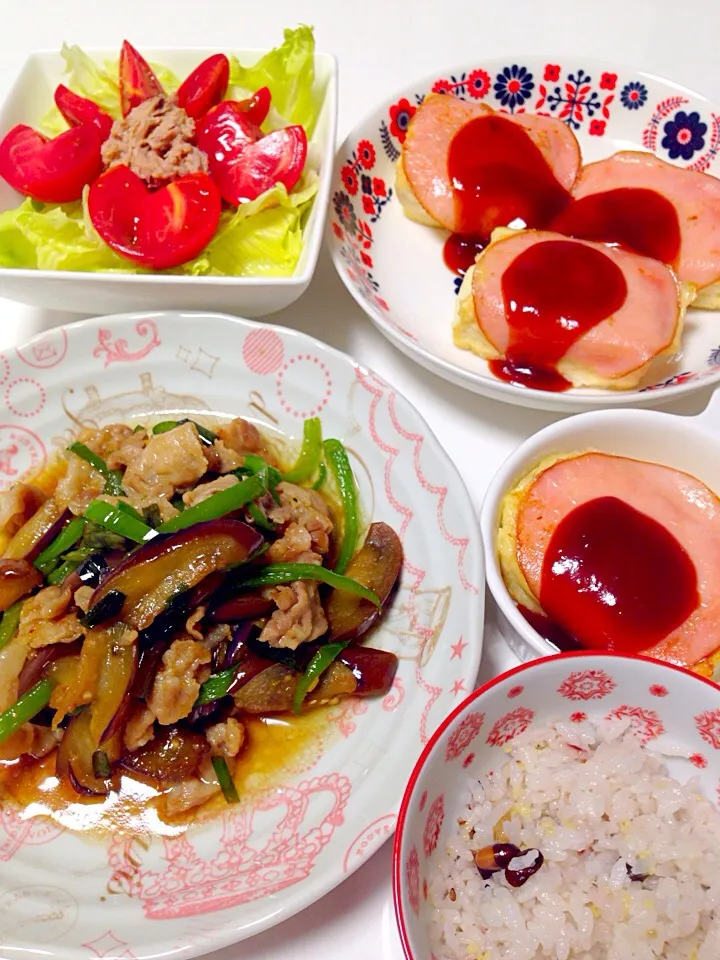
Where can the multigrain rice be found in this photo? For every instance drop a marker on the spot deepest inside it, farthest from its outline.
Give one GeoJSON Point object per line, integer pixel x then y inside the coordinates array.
{"type": "Point", "coordinates": [631, 867]}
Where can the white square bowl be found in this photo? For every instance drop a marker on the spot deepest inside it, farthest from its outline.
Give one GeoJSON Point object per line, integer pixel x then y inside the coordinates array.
{"type": "Point", "coordinates": [30, 97]}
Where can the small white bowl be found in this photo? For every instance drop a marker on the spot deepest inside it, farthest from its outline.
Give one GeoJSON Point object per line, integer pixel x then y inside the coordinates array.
{"type": "Point", "coordinates": [32, 95]}
{"type": "Point", "coordinates": [691, 444]}
{"type": "Point", "coordinates": [566, 688]}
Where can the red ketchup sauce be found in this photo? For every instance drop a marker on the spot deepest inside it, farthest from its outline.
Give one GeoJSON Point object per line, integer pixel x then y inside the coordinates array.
{"type": "Point", "coordinates": [639, 220]}
{"type": "Point", "coordinates": [554, 292]}
{"type": "Point", "coordinates": [499, 177]}
{"type": "Point", "coordinates": [615, 578]}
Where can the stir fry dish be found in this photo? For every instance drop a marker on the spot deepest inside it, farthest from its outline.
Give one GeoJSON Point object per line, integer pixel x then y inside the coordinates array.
{"type": "Point", "coordinates": [162, 586]}
{"type": "Point", "coordinates": [135, 169]}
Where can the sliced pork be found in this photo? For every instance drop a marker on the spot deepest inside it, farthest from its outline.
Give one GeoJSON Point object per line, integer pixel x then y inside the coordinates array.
{"type": "Point", "coordinates": [615, 352]}
{"type": "Point", "coordinates": [424, 182]}
{"type": "Point", "coordinates": [685, 508]}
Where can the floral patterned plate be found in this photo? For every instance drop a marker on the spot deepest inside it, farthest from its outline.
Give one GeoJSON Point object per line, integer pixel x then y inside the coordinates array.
{"type": "Point", "coordinates": [394, 267]}
{"type": "Point", "coordinates": [293, 838]}
{"type": "Point", "coordinates": [671, 709]}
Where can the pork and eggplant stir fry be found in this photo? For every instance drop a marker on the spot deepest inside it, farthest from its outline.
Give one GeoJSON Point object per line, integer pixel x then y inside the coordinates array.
{"type": "Point", "coordinates": [177, 580]}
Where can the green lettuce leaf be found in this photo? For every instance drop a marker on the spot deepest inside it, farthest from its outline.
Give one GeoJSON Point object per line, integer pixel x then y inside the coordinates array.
{"type": "Point", "coordinates": [289, 73]}
{"type": "Point", "coordinates": [260, 239]}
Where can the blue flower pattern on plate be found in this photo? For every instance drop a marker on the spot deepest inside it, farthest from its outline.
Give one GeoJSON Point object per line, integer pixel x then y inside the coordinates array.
{"type": "Point", "coordinates": [634, 95]}
{"type": "Point", "coordinates": [513, 86]}
{"type": "Point", "coordinates": [684, 135]}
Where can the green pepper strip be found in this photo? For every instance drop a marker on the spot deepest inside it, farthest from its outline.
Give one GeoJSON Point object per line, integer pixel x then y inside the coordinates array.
{"type": "Point", "coordinates": [337, 458]}
{"type": "Point", "coordinates": [167, 425]}
{"type": "Point", "coordinates": [275, 573]}
{"type": "Point", "coordinates": [59, 573]}
{"type": "Point", "coordinates": [9, 622]}
{"type": "Point", "coordinates": [259, 518]}
{"type": "Point", "coordinates": [217, 686]}
{"type": "Point", "coordinates": [310, 453]}
{"type": "Point", "coordinates": [322, 474]}
{"type": "Point", "coordinates": [317, 666]}
{"type": "Point", "coordinates": [24, 709]}
{"type": "Point", "coordinates": [112, 518]}
{"type": "Point", "coordinates": [218, 505]}
{"type": "Point", "coordinates": [67, 538]}
{"type": "Point", "coordinates": [113, 478]}
{"type": "Point", "coordinates": [227, 785]}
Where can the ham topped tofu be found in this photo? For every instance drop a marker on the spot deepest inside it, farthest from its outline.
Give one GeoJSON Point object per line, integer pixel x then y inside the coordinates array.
{"type": "Point", "coordinates": [622, 554]}
{"type": "Point", "coordinates": [597, 315]}
{"type": "Point", "coordinates": [524, 156]}
{"type": "Point", "coordinates": [617, 186]}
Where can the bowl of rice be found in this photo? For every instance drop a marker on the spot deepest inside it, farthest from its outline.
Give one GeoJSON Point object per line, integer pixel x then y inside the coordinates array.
{"type": "Point", "coordinates": [569, 810]}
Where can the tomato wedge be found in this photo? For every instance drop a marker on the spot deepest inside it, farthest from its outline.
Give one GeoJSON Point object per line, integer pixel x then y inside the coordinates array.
{"type": "Point", "coordinates": [257, 106]}
{"type": "Point", "coordinates": [157, 229]}
{"type": "Point", "coordinates": [243, 162]}
{"type": "Point", "coordinates": [52, 171]}
{"type": "Point", "coordinates": [78, 110]}
{"type": "Point", "coordinates": [226, 130]}
{"type": "Point", "coordinates": [137, 80]}
{"type": "Point", "coordinates": [205, 86]}
{"type": "Point", "coordinates": [277, 158]}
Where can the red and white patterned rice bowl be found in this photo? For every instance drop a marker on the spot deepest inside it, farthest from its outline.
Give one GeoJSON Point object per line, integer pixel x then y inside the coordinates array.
{"type": "Point", "coordinates": [667, 706]}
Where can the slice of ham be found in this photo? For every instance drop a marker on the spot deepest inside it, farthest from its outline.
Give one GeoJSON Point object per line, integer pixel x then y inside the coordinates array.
{"type": "Point", "coordinates": [680, 502]}
{"type": "Point", "coordinates": [695, 196]}
{"type": "Point", "coordinates": [616, 352]}
{"type": "Point", "coordinates": [423, 167]}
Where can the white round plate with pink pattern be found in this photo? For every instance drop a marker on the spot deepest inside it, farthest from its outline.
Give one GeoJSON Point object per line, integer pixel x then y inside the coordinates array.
{"type": "Point", "coordinates": [65, 896]}
{"type": "Point", "coordinates": [394, 267]}
{"type": "Point", "coordinates": [671, 709]}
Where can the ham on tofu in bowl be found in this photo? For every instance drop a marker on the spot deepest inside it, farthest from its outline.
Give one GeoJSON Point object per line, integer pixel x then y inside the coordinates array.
{"type": "Point", "coordinates": [165, 586]}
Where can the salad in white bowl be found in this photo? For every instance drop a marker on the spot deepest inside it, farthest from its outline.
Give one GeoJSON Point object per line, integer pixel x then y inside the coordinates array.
{"type": "Point", "coordinates": [137, 168]}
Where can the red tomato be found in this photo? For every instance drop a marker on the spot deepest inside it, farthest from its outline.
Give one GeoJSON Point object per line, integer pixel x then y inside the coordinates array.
{"type": "Point", "coordinates": [78, 110]}
{"type": "Point", "coordinates": [225, 130]}
{"type": "Point", "coordinates": [257, 106]}
{"type": "Point", "coordinates": [53, 171]}
{"type": "Point", "coordinates": [157, 229]}
{"type": "Point", "coordinates": [205, 86]}
{"type": "Point", "coordinates": [137, 81]}
{"type": "Point", "coordinates": [277, 158]}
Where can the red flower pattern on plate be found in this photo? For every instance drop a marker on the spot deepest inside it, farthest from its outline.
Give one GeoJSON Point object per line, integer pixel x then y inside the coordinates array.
{"type": "Point", "coordinates": [468, 759]}
{"type": "Point", "coordinates": [658, 690]}
{"type": "Point", "coordinates": [478, 84]}
{"type": "Point", "coordinates": [442, 86]}
{"type": "Point", "coordinates": [578, 717]}
{"type": "Point", "coordinates": [552, 73]}
{"type": "Point", "coordinates": [412, 875]}
{"type": "Point", "coordinates": [597, 128]}
{"type": "Point", "coordinates": [698, 760]}
{"type": "Point", "coordinates": [401, 114]}
{"type": "Point", "coordinates": [708, 726]}
{"type": "Point", "coordinates": [367, 260]}
{"type": "Point", "coordinates": [368, 204]}
{"type": "Point", "coordinates": [509, 726]}
{"type": "Point", "coordinates": [463, 735]}
{"type": "Point", "coordinates": [349, 178]}
{"type": "Point", "coordinates": [423, 800]}
{"type": "Point", "coordinates": [366, 154]}
{"type": "Point", "coordinates": [646, 723]}
{"type": "Point", "coordinates": [608, 81]}
{"type": "Point", "coordinates": [433, 825]}
{"type": "Point", "coordinates": [587, 685]}
{"type": "Point", "coordinates": [378, 187]}
{"type": "Point", "coordinates": [515, 691]}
